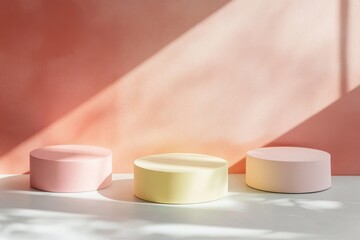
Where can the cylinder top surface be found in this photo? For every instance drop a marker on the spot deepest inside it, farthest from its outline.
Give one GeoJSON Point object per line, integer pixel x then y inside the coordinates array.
{"type": "Point", "coordinates": [180, 162]}
{"type": "Point", "coordinates": [70, 153]}
{"type": "Point", "coordinates": [289, 154]}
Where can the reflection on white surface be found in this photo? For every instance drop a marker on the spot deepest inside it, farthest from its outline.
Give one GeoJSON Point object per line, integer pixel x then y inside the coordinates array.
{"type": "Point", "coordinates": [302, 203]}
{"type": "Point", "coordinates": [284, 202]}
{"type": "Point", "coordinates": [114, 213]}
{"type": "Point", "coordinates": [186, 230]}
{"type": "Point", "coordinates": [319, 204]}
{"type": "Point", "coordinates": [39, 224]}
{"type": "Point", "coordinates": [31, 224]}
{"type": "Point", "coordinates": [36, 214]}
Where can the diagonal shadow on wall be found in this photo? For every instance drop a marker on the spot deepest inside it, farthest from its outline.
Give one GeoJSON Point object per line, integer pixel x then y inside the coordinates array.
{"type": "Point", "coordinates": [334, 129]}
{"type": "Point", "coordinates": [55, 55]}
{"type": "Point", "coordinates": [158, 107]}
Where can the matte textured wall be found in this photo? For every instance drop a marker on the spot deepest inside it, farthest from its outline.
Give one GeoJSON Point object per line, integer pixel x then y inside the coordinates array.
{"type": "Point", "coordinates": [206, 76]}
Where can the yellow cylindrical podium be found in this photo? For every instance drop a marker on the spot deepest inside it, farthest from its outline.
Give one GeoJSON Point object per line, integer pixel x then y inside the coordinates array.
{"type": "Point", "coordinates": [180, 178]}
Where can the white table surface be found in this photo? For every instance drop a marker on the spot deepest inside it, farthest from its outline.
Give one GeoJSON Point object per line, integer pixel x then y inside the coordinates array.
{"type": "Point", "coordinates": [114, 213]}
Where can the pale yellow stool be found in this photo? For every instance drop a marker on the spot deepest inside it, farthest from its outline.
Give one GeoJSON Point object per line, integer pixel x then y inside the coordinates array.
{"type": "Point", "coordinates": [180, 178]}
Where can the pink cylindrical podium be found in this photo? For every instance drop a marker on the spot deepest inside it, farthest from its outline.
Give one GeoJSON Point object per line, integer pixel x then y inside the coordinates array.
{"type": "Point", "coordinates": [288, 169]}
{"type": "Point", "coordinates": [70, 168]}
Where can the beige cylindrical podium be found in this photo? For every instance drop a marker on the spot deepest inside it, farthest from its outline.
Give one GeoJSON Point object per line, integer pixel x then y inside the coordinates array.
{"type": "Point", "coordinates": [288, 169]}
{"type": "Point", "coordinates": [180, 178]}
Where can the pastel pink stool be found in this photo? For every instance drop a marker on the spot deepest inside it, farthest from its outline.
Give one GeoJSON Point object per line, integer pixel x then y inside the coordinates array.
{"type": "Point", "coordinates": [70, 168]}
{"type": "Point", "coordinates": [288, 169]}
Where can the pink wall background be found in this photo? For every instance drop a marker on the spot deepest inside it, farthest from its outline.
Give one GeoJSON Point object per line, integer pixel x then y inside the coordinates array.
{"type": "Point", "coordinates": [206, 76]}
